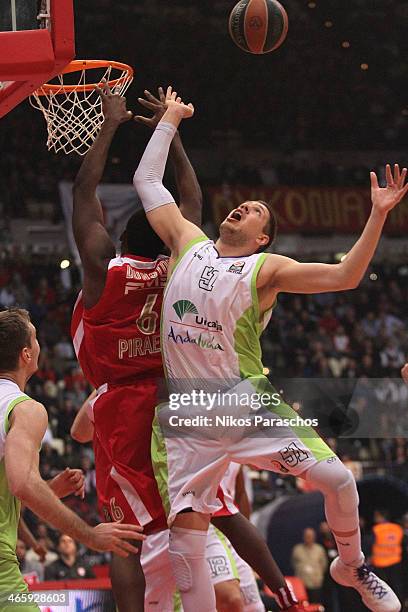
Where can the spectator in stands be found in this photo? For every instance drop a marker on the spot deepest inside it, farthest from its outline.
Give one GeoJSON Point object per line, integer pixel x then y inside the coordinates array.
{"type": "Point", "coordinates": [33, 571]}
{"type": "Point", "coordinates": [50, 555]}
{"type": "Point", "coordinates": [387, 550]}
{"type": "Point", "coordinates": [68, 566]}
{"type": "Point", "coordinates": [309, 561]}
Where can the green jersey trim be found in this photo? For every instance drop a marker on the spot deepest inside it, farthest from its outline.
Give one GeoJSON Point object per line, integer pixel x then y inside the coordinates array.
{"type": "Point", "coordinates": [247, 332]}
{"type": "Point", "coordinates": [254, 291]}
{"type": "Point", "coordinates": [159, 460]}
{"type": "Point", "coordinates": [186, 248]}
{"type": "Point", "coordinates": [224, 543]}
{"type": "Point", "coordinates": [11, 406]}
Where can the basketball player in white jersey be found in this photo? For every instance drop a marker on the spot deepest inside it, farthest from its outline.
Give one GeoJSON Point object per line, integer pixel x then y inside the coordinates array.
{"type": "Point", "coordinates": [23, 423]}
{"type": "Point", "coordinates": [232, 578]}
{"type": "Point", "coordinates": [141, 243]}
{"type": "Point", "coordinates": [217, 302]}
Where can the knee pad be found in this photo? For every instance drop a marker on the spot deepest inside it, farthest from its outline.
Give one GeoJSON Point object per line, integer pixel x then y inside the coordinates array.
{"type": "Point", "coordinates": [347, 494]}
{"type": "Point", "coordinates": [337, 484]}
{"type": "Point", "coordinates": [187, 551]}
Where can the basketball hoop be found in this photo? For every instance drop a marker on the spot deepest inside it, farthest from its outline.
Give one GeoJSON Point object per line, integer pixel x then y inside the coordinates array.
{"type": "Point", "coordinates": [71, 106]}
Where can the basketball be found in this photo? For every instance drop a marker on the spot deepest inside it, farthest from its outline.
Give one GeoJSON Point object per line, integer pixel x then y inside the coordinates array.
{"type": "Point", "coordinates": [258, 26]}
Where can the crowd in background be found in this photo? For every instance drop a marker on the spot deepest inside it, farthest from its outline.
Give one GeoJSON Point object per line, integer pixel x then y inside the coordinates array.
{"type": "Point", "coordinates": [330, 102]}
{"type": "Point", "coordinates": [335, 338]}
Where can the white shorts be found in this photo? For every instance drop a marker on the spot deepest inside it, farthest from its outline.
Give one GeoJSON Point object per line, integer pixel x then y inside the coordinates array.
{"type": "Point", "coordinates": [189, 462]}
{"type": "Point", "coordinates": [224, 564]}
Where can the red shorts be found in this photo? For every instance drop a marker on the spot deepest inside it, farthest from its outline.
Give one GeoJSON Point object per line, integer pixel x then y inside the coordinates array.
{"type": "Point", "coordinates": [125, 481]}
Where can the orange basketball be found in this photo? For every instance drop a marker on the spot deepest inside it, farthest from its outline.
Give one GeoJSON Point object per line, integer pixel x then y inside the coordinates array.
{"type": "Point", "coordinates": [258, 26]}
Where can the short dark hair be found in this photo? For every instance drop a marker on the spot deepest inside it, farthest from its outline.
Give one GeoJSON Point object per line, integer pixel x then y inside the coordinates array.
{"type": "Point", "coordinates": [141, 239]}
{"type": "Point", "coordinates": [271, 227]}
{"type": "Point", "coordinates": [14, 336]}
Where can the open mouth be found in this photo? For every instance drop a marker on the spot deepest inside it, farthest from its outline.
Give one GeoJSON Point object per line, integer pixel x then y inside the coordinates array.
{"type": "Point", "coordinates": [236, 215]}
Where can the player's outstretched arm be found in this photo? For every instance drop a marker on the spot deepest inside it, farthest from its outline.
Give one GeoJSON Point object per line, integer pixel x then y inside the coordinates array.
{"type": "Point", "coordinates": [82, 429]}
{"type": "Point", "coordinates": [189, 190]}
{"type": "Point", "coordinates": [162, 213]}
{"type": "Point", "coordinates": [404, 373]}
{"type": "Point", "coordinates": [94, 244]}
{"type": "Point", "coordinates": [27, 425]}
{"type": "Point", "coordinates": [285, 274]}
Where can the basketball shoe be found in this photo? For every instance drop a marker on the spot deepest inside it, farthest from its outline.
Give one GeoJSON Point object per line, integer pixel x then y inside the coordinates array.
{"type": "Point", "coordinates": [375, 593]}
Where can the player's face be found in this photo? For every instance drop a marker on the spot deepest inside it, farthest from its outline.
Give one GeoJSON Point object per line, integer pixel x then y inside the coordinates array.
{"type": "Point", "coordinates": [247, 221]}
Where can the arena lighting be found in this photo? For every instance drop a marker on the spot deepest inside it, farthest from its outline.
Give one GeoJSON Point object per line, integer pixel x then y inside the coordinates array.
{"type": "Point", "coordinates": [65, 263]}
{"type": "Point", "coordinates": [328, 24]}
{"type": "Point", "coordinates": [373, 276]}
{"type": "Point", "coordinates": [312, 5]}
{"type": "Point", "coordinates": [364, 66]}
{"type": "Point", "coordinates": [345, 44]}
{"type": "Point", "coordinates": [266, 371]}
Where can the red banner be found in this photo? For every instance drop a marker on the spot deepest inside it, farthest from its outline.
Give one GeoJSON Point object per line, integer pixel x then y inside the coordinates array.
{"type": "Point", "coordinates": [310, 210]}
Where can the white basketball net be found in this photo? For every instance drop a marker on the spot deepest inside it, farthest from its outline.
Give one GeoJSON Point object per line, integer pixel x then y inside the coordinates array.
{"type": "Point", "coordinates": [74, 118]}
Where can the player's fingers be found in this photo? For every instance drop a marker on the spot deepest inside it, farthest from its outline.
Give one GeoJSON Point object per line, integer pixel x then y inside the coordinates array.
{"type": "Point", "coordinates": [388, 175]}
{"type": "Point", "coordinates": [130, 535]}
{"type": "Point", "coordinates": [151, 97]}
{"type": "Point", "coordinates": [144, 120]}
{"type": "Point", "coordinates": [129, 115]}
{"type": "Point", "coordinates": [168, 92]}
{"type": "Point", "coordinates": [149, 105]}
{"type": "Point", "coordinates": [402, 178]}
{"type": "Point", "coordinates": [128, 527]}
{"type": "Point", "coordinates": [396, 173]}
{"type": "Point", "coordinates": [75, 475]}
{"type": "Point", "coordinates": [374, 180]}
{"type": "Point", "coordinates": [179, 100]}
{"type": "Point", "coordinates": [162, 95]}
{"type": "Point", "coordinates": [128, 547]}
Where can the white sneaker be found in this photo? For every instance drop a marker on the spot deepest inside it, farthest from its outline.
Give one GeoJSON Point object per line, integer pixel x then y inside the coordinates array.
{"type": "Point", "coordinates": [375, 593]}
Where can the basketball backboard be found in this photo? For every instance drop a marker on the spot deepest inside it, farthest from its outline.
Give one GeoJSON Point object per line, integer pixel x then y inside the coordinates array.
{"type": "Point", "coordinates": [36, 43]}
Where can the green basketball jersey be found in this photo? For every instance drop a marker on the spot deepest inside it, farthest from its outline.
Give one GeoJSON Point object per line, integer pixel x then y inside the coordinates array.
{"type": "Point", "coordinates": [10, 396]}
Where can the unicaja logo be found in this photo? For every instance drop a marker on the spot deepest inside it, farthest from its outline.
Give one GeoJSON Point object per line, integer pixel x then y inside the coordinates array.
{"type": "Point", "coordinates": [183, 307]}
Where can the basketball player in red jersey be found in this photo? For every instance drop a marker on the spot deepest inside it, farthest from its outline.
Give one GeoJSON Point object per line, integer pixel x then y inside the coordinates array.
{"type": "Point", "coordinates": [115, 329]}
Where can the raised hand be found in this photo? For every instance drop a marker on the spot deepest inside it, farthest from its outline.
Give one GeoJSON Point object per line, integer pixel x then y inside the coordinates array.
{"type": "Point", "coordinates": [113, 105]}
{"type": "Point", "coordinates": [113, 537]}
{"type": "Point", "coordinates": [156, 105]}
{"type": "Point", "coordinates": [385, 198]}
{"type": "Point", "coordinates": [68, 482]}
{"type": "Point", "coordinates": [176, 104]}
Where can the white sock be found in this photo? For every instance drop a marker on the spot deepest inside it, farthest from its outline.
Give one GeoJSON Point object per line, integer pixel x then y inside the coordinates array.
{"type": "Point", "coordinates": [149, 174]}
{"type": "Point", "coordinates": [187, 549]}
{"type": "Point", "coordinates": [341, 506]}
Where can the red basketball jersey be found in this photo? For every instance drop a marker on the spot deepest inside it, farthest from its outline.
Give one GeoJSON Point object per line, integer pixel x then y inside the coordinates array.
{"type": "Point", "coordinates": [117, 341]}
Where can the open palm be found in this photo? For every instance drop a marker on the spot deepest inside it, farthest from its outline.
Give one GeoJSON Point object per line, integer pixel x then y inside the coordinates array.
{"type": "Point", "coordinates": [385, 198]}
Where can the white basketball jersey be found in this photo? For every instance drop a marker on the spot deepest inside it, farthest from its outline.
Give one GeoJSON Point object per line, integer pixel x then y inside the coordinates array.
{"type": "Point", "coordinates": [210, 319]}
{"type": "Point", "coordinates": [10, 396]}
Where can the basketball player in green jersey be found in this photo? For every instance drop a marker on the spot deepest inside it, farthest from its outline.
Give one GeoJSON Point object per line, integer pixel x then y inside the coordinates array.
{"type": "Point", "coordinates": [217, 302]}
{"type": "Point", "coordinates": [23, 423]}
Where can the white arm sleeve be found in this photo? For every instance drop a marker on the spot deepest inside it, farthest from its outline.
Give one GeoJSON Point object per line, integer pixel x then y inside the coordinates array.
{"type": "Point", "coordinates": [149, 174]}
